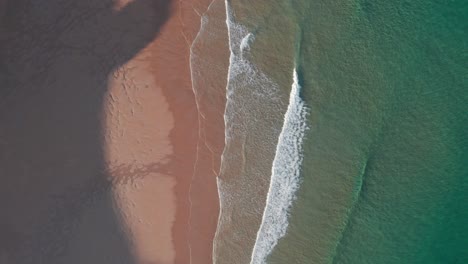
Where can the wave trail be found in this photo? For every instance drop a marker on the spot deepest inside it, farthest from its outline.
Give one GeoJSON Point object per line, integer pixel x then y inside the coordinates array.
{"type": "Point", "coordinates": [285, 178]}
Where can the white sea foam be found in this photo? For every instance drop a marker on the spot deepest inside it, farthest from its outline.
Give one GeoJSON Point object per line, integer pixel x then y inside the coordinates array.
{"type": "Point", "coordinates": [234, 32]}
{"type": "Point", "coordinates": [245, 42]}
{"type": "Point", "coordinates": [252, 104]}
{"type": "Point", "coordinates": [285, 178]}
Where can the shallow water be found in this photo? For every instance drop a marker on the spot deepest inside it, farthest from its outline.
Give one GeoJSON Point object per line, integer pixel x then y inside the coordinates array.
{"type": "Point", "coordinates": [384, 172]}
{"type": "Point", "coordinates": [256, 102]}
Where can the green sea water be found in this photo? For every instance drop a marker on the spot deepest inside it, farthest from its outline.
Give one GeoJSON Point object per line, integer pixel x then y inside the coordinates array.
{"type": "Point", "coordinates": [385, 163]}
{"type": "Point", "coordinates": [385, 173]}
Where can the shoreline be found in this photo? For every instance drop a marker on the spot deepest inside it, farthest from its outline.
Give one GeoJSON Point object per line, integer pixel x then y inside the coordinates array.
{"type": "Point", "coordinates": [209, 61]}
{"type": "Point", "coordinates": [189, 160]}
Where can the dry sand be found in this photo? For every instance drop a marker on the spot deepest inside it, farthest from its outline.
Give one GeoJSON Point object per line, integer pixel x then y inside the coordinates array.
{"type": "Point", "coordinates": [102, 159]}
{"type": "Point", "coordinates": [154, 127]}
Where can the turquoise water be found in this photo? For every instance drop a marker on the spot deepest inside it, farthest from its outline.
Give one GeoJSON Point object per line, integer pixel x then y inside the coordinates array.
{"type": "Point", "coordinates": [385, 171]}
{"type": "Point", "coordinates": [385, 159]}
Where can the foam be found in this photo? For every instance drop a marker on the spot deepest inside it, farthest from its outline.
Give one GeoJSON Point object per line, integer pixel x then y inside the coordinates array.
{"type": "Point", "coordinates": [245, 42]}
{"type": "Point", "coordinates": [248, 92]}
{"type": "Point", "coordinates": [285, 178]}
{"type": "Point", "coordinates": [203, 23]}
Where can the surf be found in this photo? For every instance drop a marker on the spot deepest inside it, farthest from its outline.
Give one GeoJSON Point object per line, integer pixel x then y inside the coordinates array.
{"type": "Point", "coordinates": [254, 102]}
{"type": "Point", "coordinates": [285, 176]}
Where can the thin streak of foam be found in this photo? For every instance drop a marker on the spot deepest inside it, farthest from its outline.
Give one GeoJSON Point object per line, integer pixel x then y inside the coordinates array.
{"type": "Point", "coordinates": [229, 24]}
{"type": "Point", "coordinates": [195, 93]}
{"type": "Point", "coordinates": [285, 178]}
{"type": "Point", "coordinates": [226, 133]}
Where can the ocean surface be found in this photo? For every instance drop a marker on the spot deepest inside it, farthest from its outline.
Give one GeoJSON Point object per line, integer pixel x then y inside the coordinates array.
{"type": "Point", "coordinates": [346, 133]}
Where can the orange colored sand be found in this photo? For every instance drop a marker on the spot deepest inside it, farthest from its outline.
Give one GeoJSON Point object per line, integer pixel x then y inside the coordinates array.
{"type": "Point", "coordinates": [157, 127]}
{"type": "Point", "coordinates": [106, 153]}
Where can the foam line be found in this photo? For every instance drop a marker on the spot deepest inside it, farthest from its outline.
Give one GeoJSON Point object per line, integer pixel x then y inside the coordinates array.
{"type": "Point", "coordinates": [285, 178]}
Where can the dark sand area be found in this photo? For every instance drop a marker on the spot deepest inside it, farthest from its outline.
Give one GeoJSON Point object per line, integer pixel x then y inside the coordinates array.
{"type": "Point", "coordinates": [99, 132]}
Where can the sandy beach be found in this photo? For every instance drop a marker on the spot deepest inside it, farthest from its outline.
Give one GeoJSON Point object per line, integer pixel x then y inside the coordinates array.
{"type": "Point", "coordinates": [185, 137]}
{"type": "Point", "coordinates": [122, 164]}
{"type": "Point", "coordinates": [157, 126]}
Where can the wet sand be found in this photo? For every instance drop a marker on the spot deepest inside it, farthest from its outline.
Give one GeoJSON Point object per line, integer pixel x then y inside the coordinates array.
{"type": "Point", "coordinates": [157, 126]}
{"type": "Point", "coordinates": [210, 62]}
{"type": "Point", "coordinates": [100, 135]}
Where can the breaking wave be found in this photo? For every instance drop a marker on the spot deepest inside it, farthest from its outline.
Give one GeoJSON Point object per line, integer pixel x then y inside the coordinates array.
{"type": "Point", "coordinates": [285, 178]}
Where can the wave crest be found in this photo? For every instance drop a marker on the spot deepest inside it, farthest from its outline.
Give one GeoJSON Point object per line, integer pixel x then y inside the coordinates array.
{"type": "Point", "coordinates": [285, 178]}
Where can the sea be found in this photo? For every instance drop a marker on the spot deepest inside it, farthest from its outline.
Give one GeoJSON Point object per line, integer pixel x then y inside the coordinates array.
{"type": "Point", "coordinates": [346, 133]}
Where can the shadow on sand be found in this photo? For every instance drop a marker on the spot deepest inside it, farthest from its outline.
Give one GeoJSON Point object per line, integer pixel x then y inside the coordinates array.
{"type": "Point", "coordinates": [56, 204]}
